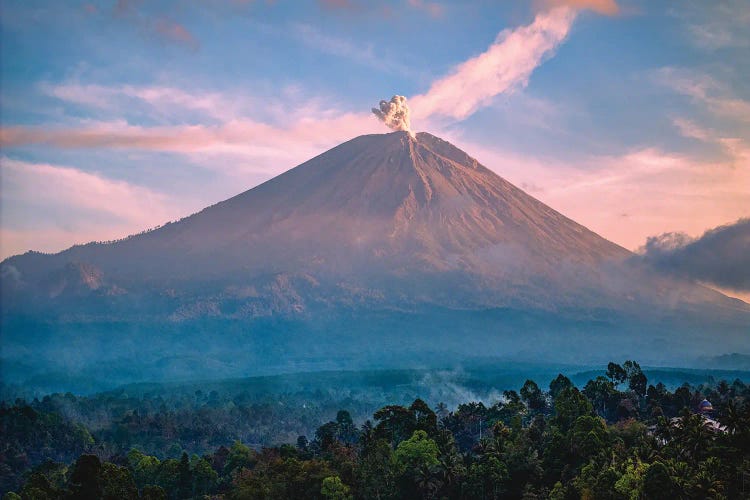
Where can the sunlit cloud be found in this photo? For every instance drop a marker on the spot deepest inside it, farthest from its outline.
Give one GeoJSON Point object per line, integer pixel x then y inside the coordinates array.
{"type": "Point", "coordinates": [236, 136]}
{"type": "Point", "coordinates": [504, 67]}
{"type": "Point", "coordinates": [605, 7]}
{"type": "Point", "coordinates": [159, 26]}
{"type": "Point", "coordinates": [433, 9]}
{"type": "Point", "coordinates": [627, 198]}
{"type": "Point", "coordinates": [49, 207]}
{"type": "Point", "coordinates": [716, 25]}
{"type": "Point", "coordinates": [705, 90]}
{"type": "Point", "coordinates": [340, 47]}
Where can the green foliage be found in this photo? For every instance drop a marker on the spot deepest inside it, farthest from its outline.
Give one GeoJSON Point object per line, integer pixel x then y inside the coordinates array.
{"type": "Point", "coordinates": [569, 405]}
{"type": "Point", "coordinates": [117, 483]}
{"type": "Point", "coordinates": [657, 483]}
{"type": "Point", "coordinates": [533, 396]}
{"type": "Point", "coordinates": [607, 441]}
{"type": "Point", "coordinates": [417, 451]}
{"type": "Point", "coordinates": [85, 481]}
{"type": "Point", "coordinates": [560, 383]}
{"type": "Point", "coordinates": [334, 489]}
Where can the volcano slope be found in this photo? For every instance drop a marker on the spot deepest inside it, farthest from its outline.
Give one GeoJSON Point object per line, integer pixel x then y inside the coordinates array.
{"type": "Point", "coordinates": [387, 250]}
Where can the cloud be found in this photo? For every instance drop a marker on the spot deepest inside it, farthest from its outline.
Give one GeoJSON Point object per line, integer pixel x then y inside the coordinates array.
{"type": "Point", "coordinates": [433, 9]}
{"type": "Point", "coordinates": [154, 102]}
{"type": "Point", "coordinates": [48, 207]}
{"type": "Point", "coordinates": [175, 32]}
{"type": "Point", "coordinates": [721, 24]}
{"type": "Point", "coordinates": [159, 26]}
{"type": "Point", "coordinates": [605, 7]}
{"type": "Point", "coordinates": [505, 66]}
{"type": "Point", "coordinates": [286, 127]}
{"type": "Point", "coordinates": [294, 141]}
{"type": "Point", "coordinates": [365, 55]}
{"type": "Point", "coordinates": [720, 257]}
{"type": "Point", "coordinates": [706, 90]}
{"type": "Point", "coordinates": [338, 4]}
{"type": "Point", "coordinates": [659, 190]}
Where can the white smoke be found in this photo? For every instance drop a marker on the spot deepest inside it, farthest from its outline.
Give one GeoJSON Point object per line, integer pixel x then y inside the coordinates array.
{"type": "Point", "coordinates": [394, 113]}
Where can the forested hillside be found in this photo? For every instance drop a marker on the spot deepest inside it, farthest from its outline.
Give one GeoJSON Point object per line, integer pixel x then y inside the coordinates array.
{"type": "Point", "coordinates": [616, 437]}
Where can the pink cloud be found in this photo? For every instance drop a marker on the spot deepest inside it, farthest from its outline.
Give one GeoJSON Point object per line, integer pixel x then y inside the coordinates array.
{"type": "Point", "coordinates": [241, 136]}
{"type": "Point", "coordinates": [175, 32]}
{"type": "Point", "coordinates": [505, 66]}
{"type": "Point", "coordinates": [338, 4]}
{"type": "Point", "coordinates": [705, 90]}
{"type": "Point", "coordinates": [55, 206]}
{"type": "Point", "coordinates": [159, 26]}
{"type": "Point", "coordinates": [433, 9]}
{"type": "Point", "coordinates": [605, 7]}
{"type": "Point", "coordinates": [627, 198]}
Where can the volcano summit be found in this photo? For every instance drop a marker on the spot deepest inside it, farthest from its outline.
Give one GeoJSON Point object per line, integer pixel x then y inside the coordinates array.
{"type": "Point", "coordinates": [387, 247]}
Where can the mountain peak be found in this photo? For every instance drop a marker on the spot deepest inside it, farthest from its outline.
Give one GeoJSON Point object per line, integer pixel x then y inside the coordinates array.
{"type": "Point", "coordinates": [384, 236]}
{"type": "Point", "coordinates": [382, 202]}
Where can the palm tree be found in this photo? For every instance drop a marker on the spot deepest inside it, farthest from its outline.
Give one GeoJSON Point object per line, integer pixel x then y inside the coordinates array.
{"type": "Point", "coordinates": [733, 419]}
{"type": "Point", "coordinates": [694, 436]}
{"type": "Point", "coordinates": [450, 469]}
{"type": "Point", "coordinates": [426, 481]}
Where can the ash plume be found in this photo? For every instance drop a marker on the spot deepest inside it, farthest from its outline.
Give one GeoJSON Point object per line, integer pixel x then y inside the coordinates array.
{"type": "Point", "coordinates": [394, 113]}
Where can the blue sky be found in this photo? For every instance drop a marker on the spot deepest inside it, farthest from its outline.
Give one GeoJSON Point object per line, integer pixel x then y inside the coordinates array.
{"type": "Point", "coordinates": [632, 118]}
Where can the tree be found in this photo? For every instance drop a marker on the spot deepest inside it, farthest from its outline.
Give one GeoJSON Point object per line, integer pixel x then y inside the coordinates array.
{"type": "Point", "coordinates": [630, 484]}
{"type": "Point", "coordinates": [417, 451]}
{"type": "Point", "coordinates": [602, 393]}
{"type": "Point", "coordinates": [426, 481]}
{"type": "Point", "coordinates": [487, 478]}
{"type": "Point", "coordinates": [638, 383]}
{"type": "Point", "coordinates": [569, 405]}
{"type": "Point", "coordinates": [657, 482]}
{"type": "Point", "coordinates": [239, 456]}
{"type": "Point", "coordinates": [117, 483]}
{"type": "Point", "coordinates": [146, 470]}
{"type": "Point", "coordinates": [395, 423]}
{"type": "Point", "coordinates": [185, 484]}
{"type": "Point", "coordinates": [616, 373]}
{"type": "Point", "coordinates": [558, 385]}
{"type": "Point", "coordinates": [168, 475]}
{"type": "Point", "coordinates": [377, 471]}
{"type": "Point", "coordinates": [334, 489]}
{"type": "Point", "coordinates": [204, 477]}
{"type": "Point", "coordinates": [733, 419]}
{"type": "Point", "coordinates": [346, 431]}
{"type": "Point", "coordinates": [533, 396]}
{"type": "Point", "coordinates": [424, 418]}
{"type": "Point", "coordinates": [152, 492]}
{"type": "Point", "coordinates": [85, 479]}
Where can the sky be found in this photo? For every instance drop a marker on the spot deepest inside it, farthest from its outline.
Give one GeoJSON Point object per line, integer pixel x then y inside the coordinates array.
{"type": "Point", "coordinates": [630, 117]}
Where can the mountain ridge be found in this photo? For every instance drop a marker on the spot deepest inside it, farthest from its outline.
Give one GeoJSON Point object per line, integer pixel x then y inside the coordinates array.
{"type": "Point", "coordinates": [383, 234]}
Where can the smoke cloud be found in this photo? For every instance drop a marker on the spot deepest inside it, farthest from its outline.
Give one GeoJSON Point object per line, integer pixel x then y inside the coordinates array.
{"type": "Point", "coordinates": [394, 113]}
{"type": "Point", "coordinates": [721, 256]}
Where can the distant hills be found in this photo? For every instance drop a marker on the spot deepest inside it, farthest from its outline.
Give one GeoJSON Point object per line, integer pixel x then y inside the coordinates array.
{"type": "Point", "coordinates": [386, 250]}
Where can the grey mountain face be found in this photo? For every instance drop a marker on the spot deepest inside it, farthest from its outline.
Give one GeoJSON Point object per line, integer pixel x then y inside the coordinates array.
{"type": "Point", "coordinates": [377, 227]}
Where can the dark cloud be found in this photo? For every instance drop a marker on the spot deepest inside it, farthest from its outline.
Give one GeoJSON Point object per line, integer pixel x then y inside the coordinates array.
{"type": "Point", "coordinates": [721, 256]}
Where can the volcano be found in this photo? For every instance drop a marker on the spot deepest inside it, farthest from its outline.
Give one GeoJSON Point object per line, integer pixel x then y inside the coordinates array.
{"type": "Point", "coordinates": [387, 247]}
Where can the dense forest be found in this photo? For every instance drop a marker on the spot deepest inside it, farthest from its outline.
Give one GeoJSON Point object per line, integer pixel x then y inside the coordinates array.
{"type": "Point", "coordinates": [614, 437]}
